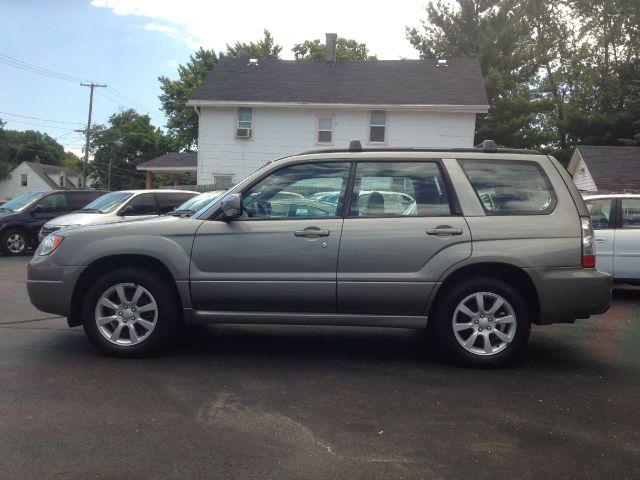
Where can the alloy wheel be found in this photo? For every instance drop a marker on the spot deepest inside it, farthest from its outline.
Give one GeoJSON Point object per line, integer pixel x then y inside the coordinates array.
{"type": "Point", "coordinates": [484, 323]}
{"type": "Point", "coordinates": [126, 314]}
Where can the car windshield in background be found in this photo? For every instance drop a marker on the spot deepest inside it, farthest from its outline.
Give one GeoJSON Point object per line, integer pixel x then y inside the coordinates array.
{"type": "Point", "coordinates": [106, 203]}
{"type": "Point", "coordinates": [20, 202]}
{"type": "Point", "coordinates": [196, 203]}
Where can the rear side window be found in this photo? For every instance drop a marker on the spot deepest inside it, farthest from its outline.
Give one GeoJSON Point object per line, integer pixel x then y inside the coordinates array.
{"type": "Point", "coordinates": [511, 187]}
{"type": "Point", "coordinates": [169, 201]}
{"type": "Point", "coordinates": [399, 189]}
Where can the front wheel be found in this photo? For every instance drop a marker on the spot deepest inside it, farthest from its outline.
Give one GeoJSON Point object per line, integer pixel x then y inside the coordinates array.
{"type": "Point", "coordinates": [482, 322]}
{"type": "Point", "coordinates": [129, 312]}
{"type": "Point", "coordinates": [14, 242]}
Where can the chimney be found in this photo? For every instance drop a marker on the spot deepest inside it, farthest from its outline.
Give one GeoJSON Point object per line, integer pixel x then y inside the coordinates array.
{"type": "Point", "coordinates": [330, 47]}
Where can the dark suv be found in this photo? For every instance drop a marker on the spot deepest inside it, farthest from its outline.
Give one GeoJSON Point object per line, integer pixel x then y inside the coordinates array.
{"type": "Point", "coordinates": [22, 217]}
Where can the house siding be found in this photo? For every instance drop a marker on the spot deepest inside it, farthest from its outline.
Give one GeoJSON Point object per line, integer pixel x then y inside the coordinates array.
{"type": "Point", "coordinates": [11, 186]}
{"type": "Point", "coordinates": [583, 179]}
{"type": "Point", "coordinates": [282, 132]}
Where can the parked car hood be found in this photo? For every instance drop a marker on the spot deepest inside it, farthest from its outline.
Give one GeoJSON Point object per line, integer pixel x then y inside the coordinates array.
{"type": "Point", "coordinates": [85, 218]}
{"type": "Point", "coordinates": [6, 215]}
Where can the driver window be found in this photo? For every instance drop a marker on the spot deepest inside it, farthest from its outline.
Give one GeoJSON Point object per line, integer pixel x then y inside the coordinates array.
{"type": "Point", "coordinates": [143, 204]}
{"type": "Point", "coordinates": [299, 191]}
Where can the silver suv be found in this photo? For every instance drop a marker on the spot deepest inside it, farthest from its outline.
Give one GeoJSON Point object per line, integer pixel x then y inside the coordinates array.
{"type": "Point", "coordinates": [491, 241]}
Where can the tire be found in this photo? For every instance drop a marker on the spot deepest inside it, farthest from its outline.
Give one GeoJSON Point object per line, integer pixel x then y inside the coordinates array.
{"type": "Point", "coordinates": [14, 242]}
{"type": "Point", "coordinates": [139, 325]}
{"type": "Point", "coordinates": [463, 329]}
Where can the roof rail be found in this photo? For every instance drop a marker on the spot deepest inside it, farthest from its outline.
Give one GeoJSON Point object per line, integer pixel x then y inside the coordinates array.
{"type": "Point", "coordinates": [487, 146]}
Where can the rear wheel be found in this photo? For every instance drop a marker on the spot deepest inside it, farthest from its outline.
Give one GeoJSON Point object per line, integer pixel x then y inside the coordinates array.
{"type": "Point", "coordinates": [482, 322]}
{"type": "Point", "coordinates": [14, 242]}
{"type": "Point", "coordinates": [129, 312]}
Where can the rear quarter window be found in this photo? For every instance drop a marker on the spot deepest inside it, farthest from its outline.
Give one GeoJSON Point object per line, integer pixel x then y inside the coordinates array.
{"type": "Point", "coordinates": [510, 187]}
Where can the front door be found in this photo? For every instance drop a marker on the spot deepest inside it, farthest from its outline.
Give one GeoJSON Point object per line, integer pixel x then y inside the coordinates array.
{"type": "Point", "coordinates": [600, 211]}
{"type": "Point", "coordinates": [281, 255]}
{"type": "Point", "coordinates": [386, 253]}
{"type": "Point", "coordinates": [51, 206]}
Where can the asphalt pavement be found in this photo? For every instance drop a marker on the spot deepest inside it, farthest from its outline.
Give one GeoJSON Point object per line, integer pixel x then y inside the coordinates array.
{"type": "Point", "coordinates": [315, 403]}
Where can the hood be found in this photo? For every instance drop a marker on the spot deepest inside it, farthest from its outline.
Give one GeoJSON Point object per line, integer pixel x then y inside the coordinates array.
{"type": "Point", "coordinates": [87, 218]}
{"type": "Point", "coordinates": [6, 215]}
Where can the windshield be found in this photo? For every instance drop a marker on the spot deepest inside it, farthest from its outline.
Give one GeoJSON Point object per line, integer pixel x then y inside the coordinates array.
{"type": "Point", "coordinates": [108, 202]}
{"type": "Point", "coordinates": [20, 202]}
{"type": "Point", "coordinates": [196, 203]}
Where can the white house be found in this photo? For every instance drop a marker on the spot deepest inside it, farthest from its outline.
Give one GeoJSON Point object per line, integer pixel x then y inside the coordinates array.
{"type": "Point", "coordinates": [253, 111]}
{"type": "Point", "coordinates": [606, 169]}
{"type": "Point", "coordinates": [38, 177]}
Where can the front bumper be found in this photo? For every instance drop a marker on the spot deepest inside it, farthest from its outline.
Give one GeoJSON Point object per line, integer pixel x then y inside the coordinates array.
{"type": "Point", "coordinates": [50, 286]}
{"type": "Point", "coordinates": [569, 293]}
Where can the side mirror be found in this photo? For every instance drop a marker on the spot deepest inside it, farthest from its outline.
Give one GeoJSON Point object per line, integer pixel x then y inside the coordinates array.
{"type": "Point", "coordinates": [37, 209]}
{"type": "Point", "coordinates": [232, 206]}
{"type": "Point", "coordinates": [128, 210]}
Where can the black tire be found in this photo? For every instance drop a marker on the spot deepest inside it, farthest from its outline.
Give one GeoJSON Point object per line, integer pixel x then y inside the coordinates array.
{"type": "Point", "coordinates": [164, 318]}
{"type": "Point", "coordinates": [484, 325]}
{"type": "Point", "coordinates": [8, 242]}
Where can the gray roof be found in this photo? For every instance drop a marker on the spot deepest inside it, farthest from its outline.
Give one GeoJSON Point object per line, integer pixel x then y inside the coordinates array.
{"type": "Point", "coordinates": [171, 160]}
{"type": "Point", "coordinates": [371, 82]}
{"type": "Point", "coordinates": [43, 170]}
{"type": "Point", "coordinates": [613, 169]}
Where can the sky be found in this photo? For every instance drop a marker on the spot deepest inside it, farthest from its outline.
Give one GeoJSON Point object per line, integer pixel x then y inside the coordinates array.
{"type": "Point", "coordinates": [128, 44]}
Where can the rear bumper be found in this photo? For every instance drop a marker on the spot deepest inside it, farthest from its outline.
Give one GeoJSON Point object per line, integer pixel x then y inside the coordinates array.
{"type": "Point", "coordinates": [50, 286]}
{"type": "Point", "coordinates": [569, 293]}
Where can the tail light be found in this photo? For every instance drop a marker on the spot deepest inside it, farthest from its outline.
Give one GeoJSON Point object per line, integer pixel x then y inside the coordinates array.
{"type": "Point", "coordinates": [588, 244]}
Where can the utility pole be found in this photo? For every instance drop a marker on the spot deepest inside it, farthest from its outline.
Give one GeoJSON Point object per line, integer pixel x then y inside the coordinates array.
{"type": "Point", "coordinates": [87, 131]}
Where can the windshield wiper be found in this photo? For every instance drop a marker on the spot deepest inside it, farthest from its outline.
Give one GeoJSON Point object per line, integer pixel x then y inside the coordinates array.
{"type": "Point", "coordinates": [93, 210]}
{"type": "Point", "coordinates": [181, 213]}
{"type": "Point", "coordinates": [7, 209]}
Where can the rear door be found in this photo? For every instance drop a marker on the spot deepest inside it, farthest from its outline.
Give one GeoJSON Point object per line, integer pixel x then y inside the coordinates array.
{"type": "Point", "coordinates": [626, 259]}
{"type": "Point", "coordinates": [386, 253]}
{"type": "Point", "coordinates": [601, 211]}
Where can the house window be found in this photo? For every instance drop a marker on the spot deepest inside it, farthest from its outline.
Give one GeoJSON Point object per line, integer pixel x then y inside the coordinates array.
{"type": "Point", "coordinates": [244, 124]}
{"type": "Point", "coordinates": [378, 127]}
{"type": "Point", "coordinates": [62, 181]}
{"type": "Point", "coordinates": [23, 179]}
{"type": "Point", "coordinates": [325, 130]}
{"type": "Point", "coordinates": [223, 182]}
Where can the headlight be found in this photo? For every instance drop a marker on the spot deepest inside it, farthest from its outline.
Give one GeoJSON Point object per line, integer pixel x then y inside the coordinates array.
{"type": "Point", "coordinates": [49, 244]}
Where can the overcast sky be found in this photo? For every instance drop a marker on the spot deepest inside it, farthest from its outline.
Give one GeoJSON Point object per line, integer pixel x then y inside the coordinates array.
{"type": "Point", "coordinates": [127, 44]}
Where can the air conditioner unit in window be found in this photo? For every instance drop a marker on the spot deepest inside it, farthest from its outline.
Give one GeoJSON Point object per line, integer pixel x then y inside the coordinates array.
{"type": "Point", "coordinates": [243, 133]}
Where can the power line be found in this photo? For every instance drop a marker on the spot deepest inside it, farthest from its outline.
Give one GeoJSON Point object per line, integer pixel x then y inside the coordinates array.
{"type": "Point", "coordinates": [36, 124]}
{"type": "Point", "coordinates": [41, 119]}
{"type": "Point", "coordinates": [122, 95]}
{"type": "Point", "coordinates": [30, 67]}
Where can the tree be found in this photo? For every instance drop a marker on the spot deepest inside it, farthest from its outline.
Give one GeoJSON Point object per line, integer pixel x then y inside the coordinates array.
{"type": "Point", "coordinates": [346, 49]}
{"type": "Point", "coordinates": [183, 120]}
{"type": "Point", "coordinates": [128, 141]}
{"type": "Point", "coordinates": [264, 48]}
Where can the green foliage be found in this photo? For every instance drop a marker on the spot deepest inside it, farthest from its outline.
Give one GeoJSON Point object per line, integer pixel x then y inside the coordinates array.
{"type": "Point", "coordinates": [557, 72]}
{"type": "Point", "coordinates": [128, 141]}
{"type": "Point", "coordinates": [346, 49]}
{"type": "Point", "coordinates": [183, 120]}
{"type": "Point", "coordinates": [17, 147]}
{"type": "Point", "coordinates": [264, 48]}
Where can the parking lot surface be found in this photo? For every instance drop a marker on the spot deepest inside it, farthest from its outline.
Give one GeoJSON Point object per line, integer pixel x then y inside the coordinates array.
{"type": "Point", "coordinates": [311, 402]}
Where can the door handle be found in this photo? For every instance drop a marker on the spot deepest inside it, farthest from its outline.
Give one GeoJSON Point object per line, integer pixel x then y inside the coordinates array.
{"type": "Point", "coordinates": [311, 232]}
{"type": "Point", "coordinates": [601, 240]}
{"type": "Point", "coordinates": [444, 230]}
